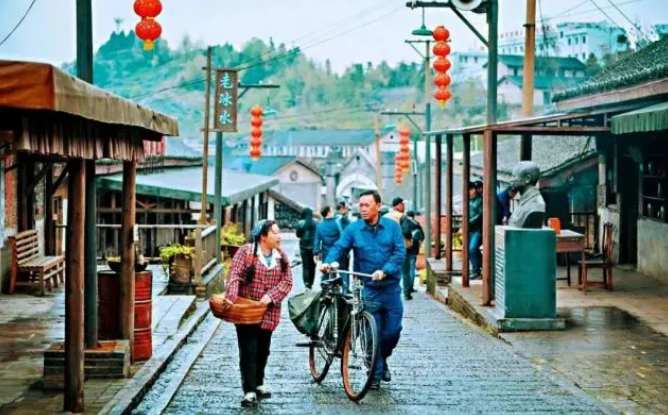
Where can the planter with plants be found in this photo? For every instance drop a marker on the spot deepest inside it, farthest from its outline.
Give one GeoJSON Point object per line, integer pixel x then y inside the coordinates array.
{"type": "Point", "coordinates": [231, 239]}
{"type": "Point", "coordinates": [177, 262]}
{"type": "Point", "coordinates": [114, 263]}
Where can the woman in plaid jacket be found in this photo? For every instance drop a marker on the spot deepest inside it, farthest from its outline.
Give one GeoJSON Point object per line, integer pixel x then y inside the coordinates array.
{"type": "Point", "coordinates": [260, 271]}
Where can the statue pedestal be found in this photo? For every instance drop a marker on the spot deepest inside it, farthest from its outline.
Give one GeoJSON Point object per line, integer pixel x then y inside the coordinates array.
{"type": "Point", "coordinates": [525, 280]}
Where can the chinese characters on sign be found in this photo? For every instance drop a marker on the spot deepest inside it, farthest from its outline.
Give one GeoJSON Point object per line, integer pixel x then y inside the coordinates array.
{"type": "Point", "coordinates": [225, 104]}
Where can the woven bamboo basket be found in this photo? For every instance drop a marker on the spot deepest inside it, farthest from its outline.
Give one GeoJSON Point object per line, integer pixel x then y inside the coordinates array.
{"type": "Point", "coordinates": [243, 311]}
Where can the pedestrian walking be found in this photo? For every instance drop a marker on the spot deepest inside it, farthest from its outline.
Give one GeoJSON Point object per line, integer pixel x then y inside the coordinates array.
{"type": "Point", "coordinates": [306, 228]}
{"type": "Point", "coordinates": [260, 271]}
{"type": "Point", "coordinates": [343, 221]}
{"type": "Point", "coordinates": [414, 230]}
{"type": "Point", "coordinates": [378, 246]}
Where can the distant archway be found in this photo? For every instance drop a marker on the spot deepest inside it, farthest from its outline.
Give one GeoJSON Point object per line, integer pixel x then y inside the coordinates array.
{"type": "Point", "coordinates": [344, 189]}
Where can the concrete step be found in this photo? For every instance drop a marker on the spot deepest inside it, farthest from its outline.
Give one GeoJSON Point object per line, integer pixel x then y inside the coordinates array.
{"type": "Point", "coordinates": [169, 313]}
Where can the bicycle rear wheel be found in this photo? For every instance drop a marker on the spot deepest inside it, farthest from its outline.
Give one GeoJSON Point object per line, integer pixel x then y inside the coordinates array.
{"type": "Point", "coordinates": [321, 350]}
{"type": "Point", "coordinates": [358, 363]}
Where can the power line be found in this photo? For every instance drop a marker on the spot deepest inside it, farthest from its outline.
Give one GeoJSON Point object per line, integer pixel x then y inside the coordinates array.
{"type": "Point", "coordinates": [568, 10]}
{"type": "Point", "coordinates": [604, 13]}
{"type": "Point", "coordinates": [561, 15]}
{"type": "Point", "coordinates": [629, 20]}
{"type": "Point", "coordinates": [19, 23]}
{"type": "Point", "coordinates": [276, 58]}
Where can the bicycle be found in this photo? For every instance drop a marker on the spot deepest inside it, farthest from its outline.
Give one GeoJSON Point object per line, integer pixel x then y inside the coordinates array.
{"type": "Point", "coordinates": [354, 340]}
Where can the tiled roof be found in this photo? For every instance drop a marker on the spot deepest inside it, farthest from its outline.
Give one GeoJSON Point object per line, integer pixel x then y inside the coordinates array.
{"type": "Point", "coordinates": [545, 82]}
{"type": "Point", "coordinates": [551, 153]}
{"type": "Point", "coordinates": [544, 62]}
{"type": "Point", "coordinates": [646, 65]}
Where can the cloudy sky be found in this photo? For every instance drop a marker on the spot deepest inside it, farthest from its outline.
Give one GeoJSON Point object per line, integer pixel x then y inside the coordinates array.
{"type": "Point", "coordinates": [345, 31]}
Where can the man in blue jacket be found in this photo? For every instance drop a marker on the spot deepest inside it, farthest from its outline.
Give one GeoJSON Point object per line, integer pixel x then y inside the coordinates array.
{"type": "Point", "coordinates": [379, 250]}
{"type": "Point", "coordinates": [327, 234]}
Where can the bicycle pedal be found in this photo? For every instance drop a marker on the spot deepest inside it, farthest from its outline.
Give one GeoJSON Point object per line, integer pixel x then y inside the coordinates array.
{"type": "Point", "coordinates": [307, 344]}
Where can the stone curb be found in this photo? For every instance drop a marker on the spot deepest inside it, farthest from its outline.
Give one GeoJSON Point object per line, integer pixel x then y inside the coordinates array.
{"type": "Point", "coordinates": [131, 394]}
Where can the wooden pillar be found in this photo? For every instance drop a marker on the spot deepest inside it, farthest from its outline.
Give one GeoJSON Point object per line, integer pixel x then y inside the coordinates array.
{"type": "Point", "coordinates": [23, 200]}
{"type": "Point", "coordinates": [488, 214]}
{"type": "Point", "coordinates": [49, 225]}
{"type": "Point", "coordinates": [90, 297]}
{"type": "Point", "coordinates": [466, 178]}
{"type": "Point", "coordinates": [74, 286]}
{"type": "Point", "coordinates": [449, 202]}
{"type": "Point", "coordinates": [439, 193]}
{"type": "Point", "coordinates": [127, 280]}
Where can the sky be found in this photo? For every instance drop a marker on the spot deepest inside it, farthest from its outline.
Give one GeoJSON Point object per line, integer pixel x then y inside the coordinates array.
{"type": "Point", "coordinates": [344, 31]}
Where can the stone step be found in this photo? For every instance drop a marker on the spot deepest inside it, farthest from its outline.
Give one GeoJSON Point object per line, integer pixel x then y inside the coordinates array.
{"type": "Point", "coordinates": [169, 312]}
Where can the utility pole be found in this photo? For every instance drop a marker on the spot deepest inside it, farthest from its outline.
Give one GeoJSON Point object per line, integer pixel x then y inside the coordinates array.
{"type": "Point", "coordinates": [205, 160]}
{"type": "Point", "coordinates": [85, 72]}
{"type": "Point", "coordinates": [218, 190]}
{"type": "Point", "coordinates": [427, 142]}
{"type": "Point", "coordinates": [529, 71]}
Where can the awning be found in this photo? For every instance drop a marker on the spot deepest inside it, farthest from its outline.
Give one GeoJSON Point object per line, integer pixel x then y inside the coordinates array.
{"type": "Point", "coordinates": [40, 86]}
{"type": "Point", "coordinates": [643, 120]}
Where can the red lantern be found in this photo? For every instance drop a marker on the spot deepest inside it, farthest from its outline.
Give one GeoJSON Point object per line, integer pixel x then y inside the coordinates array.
{"type": "Point", "coordinates": [441, 34]}
{"type": "Point", "coordinates": [442, 64]}
{"type": "Point", "coordinates": [442, 80]}
{"type": "Point", "coordinates": [148, 30]}
{"type": "Point", "coordinates": [148, 8]}
{"type": "Point", "coordinates": [256, 122]}
{"type": "Point", "coordinates": [256, 132]}
{"type": "Point", "coordinates": [257, 111]}
{"type": "Point", "coordinates": [442, 95]}
{"type": "Point", "coordinates": [255, 153]}
{"type": "Point", "coordinates": [441, 49]}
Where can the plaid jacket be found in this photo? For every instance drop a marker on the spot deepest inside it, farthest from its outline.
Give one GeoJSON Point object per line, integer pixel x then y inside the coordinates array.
{"type": "Point", "coordinates": [268, 280]}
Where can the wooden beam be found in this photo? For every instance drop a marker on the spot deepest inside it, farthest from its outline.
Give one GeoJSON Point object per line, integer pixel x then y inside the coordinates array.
{"type": "Point", "coordinates": [60, 178]}
{"type": "Point", "coordinates": [439, 192]}
{"type": "Point", "coordinates": [488, 214]}
{"type": "Point", "coordinates": [49, 225]}
{"type": "Point", "coordinates": [552, 130]}
{"type": "Point", "coordinates": [466, 178]}
{"type": "Point", "coordinates": [449, 201]}
{"type": "Point", "coordinates": [74, 285]}
{"type": "Point", "coordinates": [38, 177]}
{"type": "Point", "coordinates": [127, 280]}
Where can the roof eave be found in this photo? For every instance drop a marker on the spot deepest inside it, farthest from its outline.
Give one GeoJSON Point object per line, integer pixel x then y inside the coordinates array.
{"type": "Point", "coordinates": [615, 96]}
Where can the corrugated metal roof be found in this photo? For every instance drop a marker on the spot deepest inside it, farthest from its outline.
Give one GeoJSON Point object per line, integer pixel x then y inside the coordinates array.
{"type": "Point", "coordinates": [186, 184]}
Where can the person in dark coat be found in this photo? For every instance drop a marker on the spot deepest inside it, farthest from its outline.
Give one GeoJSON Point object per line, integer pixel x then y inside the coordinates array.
{"type": "Point", "coordinates": [327, 234]}
{"type": "Point", "coordinates": [475, 229]}
{"type": "Point", "coordinates": [503, 204]}
{"type": "Point", "coordinates": [306, 228]}
{"type": "Point", "coordinates": [411, 229]}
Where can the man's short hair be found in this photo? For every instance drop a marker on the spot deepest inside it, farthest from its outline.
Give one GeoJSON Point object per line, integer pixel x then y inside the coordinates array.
{"type": "Point", "coordinates": [410, 214]}
{"type": "Point", "coordinates": [374, 193]}
{"type": "Point", "coordinates": [324, 211]}
{"type": "Point", "coordinates": [341, 204]}
{"type": "Point", "coordinates": [397, 201]}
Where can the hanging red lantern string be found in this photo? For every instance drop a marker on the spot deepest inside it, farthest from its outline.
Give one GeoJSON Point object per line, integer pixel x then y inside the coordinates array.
{"type": "Point", "coordinates": [148, 29]}
{"type": "Point", "coordinates": [442, 65]}
{"type": "Point", "coordinates": [256, 132]}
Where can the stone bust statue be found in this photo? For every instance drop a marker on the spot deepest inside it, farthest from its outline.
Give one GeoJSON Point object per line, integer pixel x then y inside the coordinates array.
{"type": "Point", "coordinates": [530, 212]}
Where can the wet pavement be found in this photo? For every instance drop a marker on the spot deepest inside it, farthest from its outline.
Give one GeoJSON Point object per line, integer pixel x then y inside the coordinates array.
{"type": "Point", "coordinates": [441, 366]}
{"type": "Point", "coordinates": [608, 353]}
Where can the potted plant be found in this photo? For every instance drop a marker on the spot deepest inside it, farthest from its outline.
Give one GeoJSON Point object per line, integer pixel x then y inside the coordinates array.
{"type": "Point", "coordinates": [114, 262]}
{"type": "Point", "coordinates": [231, 239]}
{"type": "Point", "coordinates": [177, 262]}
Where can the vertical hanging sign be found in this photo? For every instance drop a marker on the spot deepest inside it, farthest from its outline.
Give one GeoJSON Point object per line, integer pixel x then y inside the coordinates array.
{"type": "Point", "coordinates": [225, 104]}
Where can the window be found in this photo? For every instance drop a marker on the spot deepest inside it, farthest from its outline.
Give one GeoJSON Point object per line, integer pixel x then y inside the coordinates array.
{"type": "Point", "coordinates": [654, 175]}
{"type": "Point", "coordinates": [576, 40]}
{"type": "Point", "coordinates": [475, 59]}
{"type": "Point", "coordinates": [515, 72]}
{"type": "Point", "coordinates": [561, 35]}
{"type": "Point", "coordinates": [584, 40]}
{"type": "Point", "coordinates": [569, 41]}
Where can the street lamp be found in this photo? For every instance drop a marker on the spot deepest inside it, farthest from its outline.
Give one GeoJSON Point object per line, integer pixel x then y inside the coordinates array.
{"type": "Point", "coordinates": [422, 31]}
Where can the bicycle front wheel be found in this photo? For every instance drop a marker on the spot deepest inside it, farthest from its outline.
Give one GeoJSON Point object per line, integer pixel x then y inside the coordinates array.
{"type": "Point", "coordinates": [321, 351]}
{"type": "Point", "coordinates": [358, 362]}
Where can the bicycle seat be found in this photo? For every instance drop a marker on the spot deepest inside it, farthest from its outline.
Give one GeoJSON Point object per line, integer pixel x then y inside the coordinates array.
{"type": "Point", "coordinates": [331, 282]}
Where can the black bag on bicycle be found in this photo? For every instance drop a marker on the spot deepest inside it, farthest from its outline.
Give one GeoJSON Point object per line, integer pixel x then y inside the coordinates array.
{"type": "Point", "coordinates": [304, 311]}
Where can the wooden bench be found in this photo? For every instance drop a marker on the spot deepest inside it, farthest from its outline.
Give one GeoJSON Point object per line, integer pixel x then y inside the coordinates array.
{"type": "Point", "coordinates": [29, 268]}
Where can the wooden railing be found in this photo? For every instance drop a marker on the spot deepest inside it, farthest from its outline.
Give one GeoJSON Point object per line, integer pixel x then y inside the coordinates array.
{"type": "Point", "coordinates": [205, 250]}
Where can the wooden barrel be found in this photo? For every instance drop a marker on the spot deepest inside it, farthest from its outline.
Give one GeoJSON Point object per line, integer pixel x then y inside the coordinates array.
{"type": "Point", "coordinates": [143, 336]}
{"type": "Point", "coordinates": [108, 305]}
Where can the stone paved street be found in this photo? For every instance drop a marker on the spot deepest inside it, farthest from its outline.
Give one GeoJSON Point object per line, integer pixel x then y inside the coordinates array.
{"type": "Point", "coordinates": [441, 366]}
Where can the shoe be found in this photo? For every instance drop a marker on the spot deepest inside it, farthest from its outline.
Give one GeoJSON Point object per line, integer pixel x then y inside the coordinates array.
{"type": "Point", "coordinates": [408, 297]}
{"type": "Point", "coordinates": [475, 275]}
{"type": "Point", "coordinates": [250, 400]}
{"type": "Point", "coordinates": [387, 376]}
{"type": "Point", "coordinates": [375, 385]}
{"type": "Point", "coordinates": [262, 393]}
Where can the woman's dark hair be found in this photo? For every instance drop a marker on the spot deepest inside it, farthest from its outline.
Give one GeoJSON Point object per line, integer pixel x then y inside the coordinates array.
{"type": "Point", "coordinates": [325, 211]}
{"type": "Point", "coordinates": [264, 231]}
